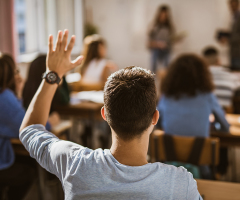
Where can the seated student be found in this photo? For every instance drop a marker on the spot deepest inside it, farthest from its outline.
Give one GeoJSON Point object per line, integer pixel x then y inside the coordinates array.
{"type": "Point", "coordinates": [36, 70]}
{"type": "Point", "coordinates": [95, 68]}
{"type": "Point", "coordinates": [121, 172]}
{"type": "Point", "coordinates": [187, 99]}
{"type": "Point", "coordinates": [14, 173]}
{"type": "Point", "coordinates": [224, 81]}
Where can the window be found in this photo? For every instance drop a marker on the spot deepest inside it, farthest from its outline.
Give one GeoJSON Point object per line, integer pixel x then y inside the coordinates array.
{"type": "Point", "coordinates": [36, 19]}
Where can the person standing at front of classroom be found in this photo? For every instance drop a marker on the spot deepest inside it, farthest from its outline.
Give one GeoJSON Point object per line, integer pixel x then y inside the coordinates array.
{"type": "Point", "coordinates": [159, 38]}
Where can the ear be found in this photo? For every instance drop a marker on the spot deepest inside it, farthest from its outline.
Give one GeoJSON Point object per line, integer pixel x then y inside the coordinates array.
{"type": "Point", "coordinates": [155, 118]}
{"type": "Point", "coordinates": [103, 113]}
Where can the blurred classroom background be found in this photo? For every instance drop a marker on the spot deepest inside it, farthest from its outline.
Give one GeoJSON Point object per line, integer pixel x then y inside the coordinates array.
{"type": "Point", "coordinates": [124, 25]}
{"type": "Point", "coordinates": [123, 29]}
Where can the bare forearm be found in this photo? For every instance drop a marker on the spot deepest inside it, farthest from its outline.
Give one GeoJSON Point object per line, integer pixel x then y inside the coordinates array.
{"type": "Point", "coordinates": [58, 63]}
{"type": "Point", "coordinates": [38, 110]}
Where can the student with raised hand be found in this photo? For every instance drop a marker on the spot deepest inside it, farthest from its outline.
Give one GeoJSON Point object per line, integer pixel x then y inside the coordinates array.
{"type": "Point", "coordinates": [187, 99]}
{"type": "Point", "coordinates": [121, 172]}
{"type": "Point", "coordinates": [15, 174]}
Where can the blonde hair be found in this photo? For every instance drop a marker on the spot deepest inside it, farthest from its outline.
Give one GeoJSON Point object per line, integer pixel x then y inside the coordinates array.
{"type": "Point", "coordinates": [90, 50]}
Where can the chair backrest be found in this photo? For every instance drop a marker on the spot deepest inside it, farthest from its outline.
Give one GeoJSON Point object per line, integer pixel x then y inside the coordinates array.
{"type": "Point", "coordinates": [183, 147]}
{"type": "Point", "coordinates": [218, 190]}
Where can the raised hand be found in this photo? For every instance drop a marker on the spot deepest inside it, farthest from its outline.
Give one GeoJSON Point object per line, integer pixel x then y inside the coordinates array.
{"type": "Point", "coordinates": [59, 59]}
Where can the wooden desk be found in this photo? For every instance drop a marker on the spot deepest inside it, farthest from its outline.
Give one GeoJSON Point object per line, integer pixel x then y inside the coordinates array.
{"type": "Point", "coordinates": [87, 110]}
{"type": "Point", "coordinates": [81, 86]}
{"type": "Point", "coordinates": [218, 190]}
{"type": "Point", "coordinates": [233, 119]}
{"type": "Point", "coordinates": [231, 139]}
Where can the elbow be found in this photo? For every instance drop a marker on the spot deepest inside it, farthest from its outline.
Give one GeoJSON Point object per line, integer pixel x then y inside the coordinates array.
{"type": "Point", "coordinates": [20, 129]}
{"type": "Point", "coordinates": [23, 125]}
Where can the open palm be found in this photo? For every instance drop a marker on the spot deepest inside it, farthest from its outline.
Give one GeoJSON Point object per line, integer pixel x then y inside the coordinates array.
{"type": "Point", "coordinates": [59, 59]}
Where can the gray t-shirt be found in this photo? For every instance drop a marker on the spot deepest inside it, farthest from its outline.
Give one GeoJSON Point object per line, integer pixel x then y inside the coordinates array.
{"type": "Point", "coordinates": [88, 174]}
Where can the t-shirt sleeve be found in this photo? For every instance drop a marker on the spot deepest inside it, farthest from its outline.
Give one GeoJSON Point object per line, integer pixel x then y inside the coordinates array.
{"type": "Point", "coordinates": [219, 113]}
{"type": "Point", "coordinates": [192, 193]}
{"type": "Point", "coordinates": [55, 155]}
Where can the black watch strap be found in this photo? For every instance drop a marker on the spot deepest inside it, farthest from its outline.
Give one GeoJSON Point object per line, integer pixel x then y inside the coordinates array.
{"type": "Point", "coordinates": [51, 77]}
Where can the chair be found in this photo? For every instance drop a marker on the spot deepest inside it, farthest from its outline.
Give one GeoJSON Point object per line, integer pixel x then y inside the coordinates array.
{"type": "Point", "coordinates": [209, 155]}
{"type": "Point", "coordinates": [218, 190]}
{"type": "Point", "coordinates": [4, 192]}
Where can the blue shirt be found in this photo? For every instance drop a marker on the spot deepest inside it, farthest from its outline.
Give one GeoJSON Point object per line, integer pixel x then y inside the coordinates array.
{"type": "Point", "coordinates": [11, 116]}
{"type": "Point", "coordinates": [189, 116]}
{"type": "Point", "coordinates": [88, 174]}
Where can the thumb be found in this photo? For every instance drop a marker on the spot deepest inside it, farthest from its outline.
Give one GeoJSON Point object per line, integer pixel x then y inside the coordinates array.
{"type": "Point", "coordinates": [77, 61]}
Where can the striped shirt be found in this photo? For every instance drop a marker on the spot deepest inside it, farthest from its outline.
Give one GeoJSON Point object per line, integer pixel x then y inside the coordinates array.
{"type": "Point", "coordinates": [225, 83]}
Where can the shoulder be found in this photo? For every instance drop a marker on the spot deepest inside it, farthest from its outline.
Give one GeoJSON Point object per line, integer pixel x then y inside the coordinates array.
{"type": "Point", "coordinates": [178, 173]}
{"type": "Point", "coordinates": [211, 96]}
{"type": "Point", "coordinates": [205, 95]}
{"type": "Point", "coordinates": [7, 93]}
{"type": "Point", "coordinates": [8, 96]}
{"type": "Point", "coordinates": [183, 179]}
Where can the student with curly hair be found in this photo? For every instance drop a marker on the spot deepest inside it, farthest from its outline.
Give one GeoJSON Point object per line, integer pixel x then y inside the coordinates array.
{"type": "Point", "coordinates": [187, 99]}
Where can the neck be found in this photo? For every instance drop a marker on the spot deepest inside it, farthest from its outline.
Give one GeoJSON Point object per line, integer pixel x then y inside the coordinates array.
{"type": "Point", "coordinates": [131, 153]}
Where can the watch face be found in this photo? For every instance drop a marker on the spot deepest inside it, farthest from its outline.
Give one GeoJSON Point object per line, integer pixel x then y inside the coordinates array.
{"type": "Point", "coordinates": [51, 77]}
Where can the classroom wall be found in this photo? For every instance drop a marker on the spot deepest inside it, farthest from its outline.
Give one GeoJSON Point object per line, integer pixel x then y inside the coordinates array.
{"type": "Point", "coordinates": [124, 25]}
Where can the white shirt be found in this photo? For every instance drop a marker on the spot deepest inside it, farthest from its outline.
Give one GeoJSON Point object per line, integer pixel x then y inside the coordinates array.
{"type": "Point", "coordinates": [94, 71]}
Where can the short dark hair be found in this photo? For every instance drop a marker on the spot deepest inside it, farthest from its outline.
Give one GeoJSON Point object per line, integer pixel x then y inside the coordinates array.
{"type": "Point", "coordinates": [7, 71]}
{"type": "Point", "coordinates": [211, 55]}
{"type": "Point", "coordinates": [210, 51]}
{"type": "Point", "coordinates": [130, 101]}
{"type": "Point", "coordinates": [187, 75]}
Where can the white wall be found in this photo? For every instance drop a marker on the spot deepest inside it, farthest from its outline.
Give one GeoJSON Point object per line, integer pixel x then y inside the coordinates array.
{"type": "Point", "coordinates": [124, 24]}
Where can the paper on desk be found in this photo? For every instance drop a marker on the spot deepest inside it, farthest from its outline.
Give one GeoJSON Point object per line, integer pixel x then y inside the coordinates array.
{"type": "Point", "coordinates": [73, 77]}
{"type": "Point", "coordinates": [93, 96]}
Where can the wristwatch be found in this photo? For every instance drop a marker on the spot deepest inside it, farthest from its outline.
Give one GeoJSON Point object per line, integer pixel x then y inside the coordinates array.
{"type": "Point", "coordinates": [51, 77]}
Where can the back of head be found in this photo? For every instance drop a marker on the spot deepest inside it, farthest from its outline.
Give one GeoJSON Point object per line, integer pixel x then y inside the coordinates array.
{"type": "Point", "coordinates": [7, 72]}
{"type": "Point", "coordinates": [211, 56]}
{"type": "Point", "coordinates": [36, 69]}
{"type": "Point", "coordinates": [91, 50]}
{"type": "Point", "coordinates": [187, 75]}
{"type": "Point", "coordinates": [130, 101]}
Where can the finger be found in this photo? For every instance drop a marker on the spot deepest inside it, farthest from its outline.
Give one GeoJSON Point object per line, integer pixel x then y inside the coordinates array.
{"type": "Point", "coordinates": [70, 45]}
{"type": "Point", "coordinates": [77, 61]}
{"type": "Point", "coordinates": [50, 44]}
{"type": "Point", "coordinates": [58, 41]}
{"type": "Point", "coordinates": [64, 41]}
